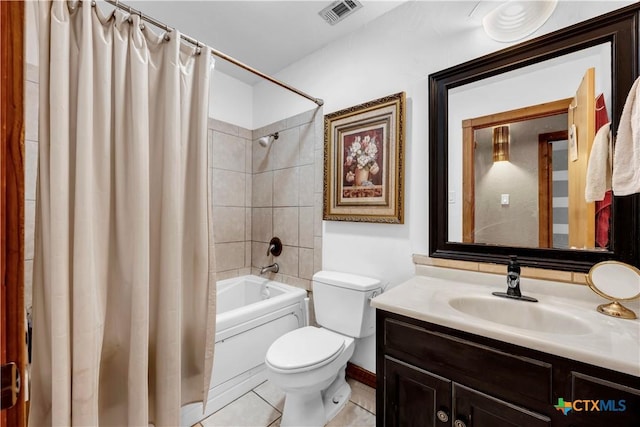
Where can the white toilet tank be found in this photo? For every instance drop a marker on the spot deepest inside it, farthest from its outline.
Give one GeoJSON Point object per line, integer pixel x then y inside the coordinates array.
{"type": "Point", "coordinates": [342, 302]}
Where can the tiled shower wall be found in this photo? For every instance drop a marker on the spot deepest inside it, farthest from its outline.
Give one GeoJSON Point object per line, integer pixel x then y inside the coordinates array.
{"type": "Point", "coordinates": [31, 87]}
{"type": "Point", "coordinates": [257, 193]}
{"type": "Point", "coordinates": [287, 197]}
{"type": "Point", "coordinates": [230, 171]}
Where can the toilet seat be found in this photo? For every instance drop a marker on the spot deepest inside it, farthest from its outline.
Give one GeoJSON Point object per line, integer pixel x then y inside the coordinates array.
{"type": "Point", "coordinates": [304, 348]}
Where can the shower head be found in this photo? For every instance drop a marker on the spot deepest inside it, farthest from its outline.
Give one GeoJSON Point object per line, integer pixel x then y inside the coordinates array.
{"type": "Point", "coordinates": [266, 140]}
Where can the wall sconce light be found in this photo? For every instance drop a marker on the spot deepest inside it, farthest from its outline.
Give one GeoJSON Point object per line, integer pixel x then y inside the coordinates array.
{"type": "Point", "coordinates": [501, 144]}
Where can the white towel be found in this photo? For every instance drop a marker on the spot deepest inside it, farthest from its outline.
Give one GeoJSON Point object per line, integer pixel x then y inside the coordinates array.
{"type": "Point", "coordinates": [626, 155]}
{"type": "Point", "coordinates": [599, 166]}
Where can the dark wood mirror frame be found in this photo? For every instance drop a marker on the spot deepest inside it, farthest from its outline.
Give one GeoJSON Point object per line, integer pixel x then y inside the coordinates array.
{"type": "Point", "coordinates": [618, 27]}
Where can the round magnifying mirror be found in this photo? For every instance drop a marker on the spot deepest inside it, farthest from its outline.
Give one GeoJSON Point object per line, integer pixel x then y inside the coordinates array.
{"type": "Point", "coordinates": [615, 281]}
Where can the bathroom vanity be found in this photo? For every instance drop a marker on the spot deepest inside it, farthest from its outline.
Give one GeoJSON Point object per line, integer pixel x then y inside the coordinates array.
{"type": "Point", "coordinates": [451, 354]}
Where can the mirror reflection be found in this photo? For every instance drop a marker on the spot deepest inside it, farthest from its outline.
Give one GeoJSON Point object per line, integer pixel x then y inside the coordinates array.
{"type": "Point", "coordinates": [518, 196]}
{"type": "Point", "coordinates": [519, 145]}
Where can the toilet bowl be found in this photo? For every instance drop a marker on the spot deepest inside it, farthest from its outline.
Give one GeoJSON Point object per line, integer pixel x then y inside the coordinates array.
{"type": "Point", "coordinates": [309, 363]}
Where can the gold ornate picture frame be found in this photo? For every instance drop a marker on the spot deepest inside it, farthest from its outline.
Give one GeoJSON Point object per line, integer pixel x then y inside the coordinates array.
{"type": "Point", "coordinates": [364, 162]}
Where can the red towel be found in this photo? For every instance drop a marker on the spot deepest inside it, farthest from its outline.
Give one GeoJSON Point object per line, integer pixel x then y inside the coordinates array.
{"type": "Point", "coordinates": [603, 207]}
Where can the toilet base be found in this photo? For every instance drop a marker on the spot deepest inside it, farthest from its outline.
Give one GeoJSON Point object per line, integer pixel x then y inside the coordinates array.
{"type": "Point", "coordinates": [316, 409]}
{"type": "Point", "coordinates": [336, 396]}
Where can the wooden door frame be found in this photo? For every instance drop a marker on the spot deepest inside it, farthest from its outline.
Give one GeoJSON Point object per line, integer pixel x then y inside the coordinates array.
{"type": "Point", "coordinates": [545, 186]}
{"type": "Point", "coordinates": [12, 316]}
{"type": "Point", "coordinates": [469, 126]}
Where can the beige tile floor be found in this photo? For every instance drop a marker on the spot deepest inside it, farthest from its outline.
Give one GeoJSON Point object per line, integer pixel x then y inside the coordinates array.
{"type": "Point", "coordinates": [262, 407]}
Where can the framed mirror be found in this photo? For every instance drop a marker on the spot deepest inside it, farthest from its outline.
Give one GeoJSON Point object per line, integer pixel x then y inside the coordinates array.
{"type": "Point", "coordinates": [510, 136]}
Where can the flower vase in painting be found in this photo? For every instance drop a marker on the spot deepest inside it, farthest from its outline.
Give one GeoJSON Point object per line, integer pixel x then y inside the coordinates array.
{"type": "Point", "coordinates": [361, 157]}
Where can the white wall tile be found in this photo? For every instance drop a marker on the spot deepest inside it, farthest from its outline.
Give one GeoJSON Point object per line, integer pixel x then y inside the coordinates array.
{"type": "Point", "coordinates": [31, 111]}
{"type": "Point", "coordinates": [223, 127]}
{"type": "Point", "coordinates": [306, 227]}
{"type": "Point", "coordinates": [31, 169]}
{"type": "Point", "coordinates": [285, 225]}
{"type": "Point", "coordinates": [319, 171]}
{"type": "Point", "coordinates": [288, 261]}
{"type": "Point", "coordinates": [228, 152]}
{"type": "Point", "coordinates": [247, 223]}
{"type": "Point", "coordinates": [317, 254]}
{"type": "Point", "coordinates": [317, 214]}
{"type": "Point", "coordinates": [262, 190]}
{"type": "Point", "coordinates": [319, 126]}
{"type": "Point", "coordinates": [259, 256]}
{"type": "Point", "coordinates": [248, 190]}
{"type": "Point", "coordinates": [262, 157]}
{"type": "Point", "coordinates": [285, 187]}
{"type": "Point", "coordinates": [306, 263]}
{"type": "Point", "coordinates": [262, 224]}
{"type": "Point", "coordinates": [286, 149]}
{"type": "Point", "coordinates": [248, 149]}
{"type": "Point", "coordinates": [228, 188]}
{"type": "Point", "coordinates": [307, 185]}
{"type": "Point", "coordinates": [229, 224]}
{"type": "Point", "coordinates": [29, 228]}
{"type": "Point", "coordinates": [303, 118]}
{"type": "Point", "coordinates": [229, 255]}
{"type": "Point", "coordinates": [307, 144]}
{"type": "Point", "coordinates": [28, 283]}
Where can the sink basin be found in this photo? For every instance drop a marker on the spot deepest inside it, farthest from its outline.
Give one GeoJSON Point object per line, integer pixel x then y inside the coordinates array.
{"type": "Point", "coordinates": [521, 314]}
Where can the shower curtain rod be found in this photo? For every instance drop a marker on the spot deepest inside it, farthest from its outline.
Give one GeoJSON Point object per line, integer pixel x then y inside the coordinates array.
{"type": "Point", "coordinates": [118, 4]}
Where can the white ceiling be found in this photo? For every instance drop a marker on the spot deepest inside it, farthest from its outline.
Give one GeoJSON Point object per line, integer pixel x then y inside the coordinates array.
{"type": "Point", "coordinates": [270, 35]}
{"type": "Point", "coordinates": [266, 35]}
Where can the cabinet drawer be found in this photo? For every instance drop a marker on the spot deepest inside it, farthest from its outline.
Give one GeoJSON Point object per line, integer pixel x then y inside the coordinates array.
{"type": "Point", "coordinates": [518, 379]}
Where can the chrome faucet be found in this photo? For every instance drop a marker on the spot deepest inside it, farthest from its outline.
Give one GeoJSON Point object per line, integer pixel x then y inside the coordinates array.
{"type": "Point", "coordinates": [513, 282]}
{"type": "Point", "coordinates": [273, 267]}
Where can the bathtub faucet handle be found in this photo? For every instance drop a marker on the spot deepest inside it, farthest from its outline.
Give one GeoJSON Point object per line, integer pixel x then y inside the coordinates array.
{"type": "Point", "coordinates": [275, 247]}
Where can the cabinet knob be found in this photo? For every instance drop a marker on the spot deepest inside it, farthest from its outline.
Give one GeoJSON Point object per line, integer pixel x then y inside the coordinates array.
{"type": "Point", "coordinates": [442, 416]}
{"type": "Point", "coordinates": [459, 423]}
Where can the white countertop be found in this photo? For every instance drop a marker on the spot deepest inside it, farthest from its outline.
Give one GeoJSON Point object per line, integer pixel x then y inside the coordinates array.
{"type": "Point", "coordinates": [611, 343]}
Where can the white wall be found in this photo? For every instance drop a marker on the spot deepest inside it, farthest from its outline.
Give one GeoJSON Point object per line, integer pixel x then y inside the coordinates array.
{"type": "Point", "coordinates": [395, 53]}
{"type": "Point", "coordinates": [230, 100]}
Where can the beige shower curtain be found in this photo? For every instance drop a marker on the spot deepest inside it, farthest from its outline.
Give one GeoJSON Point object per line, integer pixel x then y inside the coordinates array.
{"type": "Point", "coordinates": [124, 294]}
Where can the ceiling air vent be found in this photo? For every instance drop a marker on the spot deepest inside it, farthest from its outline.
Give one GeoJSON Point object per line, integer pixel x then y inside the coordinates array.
{"type": "Point", "coordinates": [338, 10]}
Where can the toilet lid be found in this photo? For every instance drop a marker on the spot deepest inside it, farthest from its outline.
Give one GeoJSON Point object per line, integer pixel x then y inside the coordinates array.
{"type": "Point", "coordinates": [303, 347]}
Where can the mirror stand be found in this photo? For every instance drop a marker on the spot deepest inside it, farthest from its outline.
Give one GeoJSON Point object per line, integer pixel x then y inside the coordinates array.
{"type": "Point", "coordinates": [615, 309]}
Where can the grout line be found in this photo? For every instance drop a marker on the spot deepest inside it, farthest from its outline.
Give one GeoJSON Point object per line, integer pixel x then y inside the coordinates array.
{"type": "Point", "coordinates": [275, 421]}
{"type": "Point", "coordinates": [362, 407]}
{"type": "Point", "coordinates": [258, 394]}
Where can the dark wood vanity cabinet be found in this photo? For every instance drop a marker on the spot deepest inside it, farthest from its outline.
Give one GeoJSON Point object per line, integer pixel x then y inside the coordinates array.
{"type": "Point", "coordinates": [429, 375]}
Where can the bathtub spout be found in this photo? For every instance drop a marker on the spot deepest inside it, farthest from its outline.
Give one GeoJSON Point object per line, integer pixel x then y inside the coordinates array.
{"type": "Point", "coordinates": [273, 267]}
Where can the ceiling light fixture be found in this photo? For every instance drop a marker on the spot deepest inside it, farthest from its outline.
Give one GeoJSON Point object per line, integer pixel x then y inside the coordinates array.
{"type": "Point", "coordinates": [516, 19]}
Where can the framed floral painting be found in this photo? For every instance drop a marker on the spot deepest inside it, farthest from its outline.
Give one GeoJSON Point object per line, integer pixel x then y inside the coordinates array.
{"type": "Point", "coordinates": [364, 162]}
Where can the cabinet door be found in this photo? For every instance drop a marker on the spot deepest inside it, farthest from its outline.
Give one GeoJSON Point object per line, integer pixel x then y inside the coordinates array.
{"type": "Point", "coordinates": [414, 397]}
{"type": "Point", "coordinates": [596, 402]}
{"type": "Point", "coordinates": [473, 408]}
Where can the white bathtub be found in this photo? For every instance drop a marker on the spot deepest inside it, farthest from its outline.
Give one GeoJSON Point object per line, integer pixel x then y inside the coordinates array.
{"type": "Point", "coordinates": [252, 312]}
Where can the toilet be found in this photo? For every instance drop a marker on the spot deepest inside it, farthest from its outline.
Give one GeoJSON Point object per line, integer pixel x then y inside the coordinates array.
{"type": "Point", "coordinates": [309, 363]}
